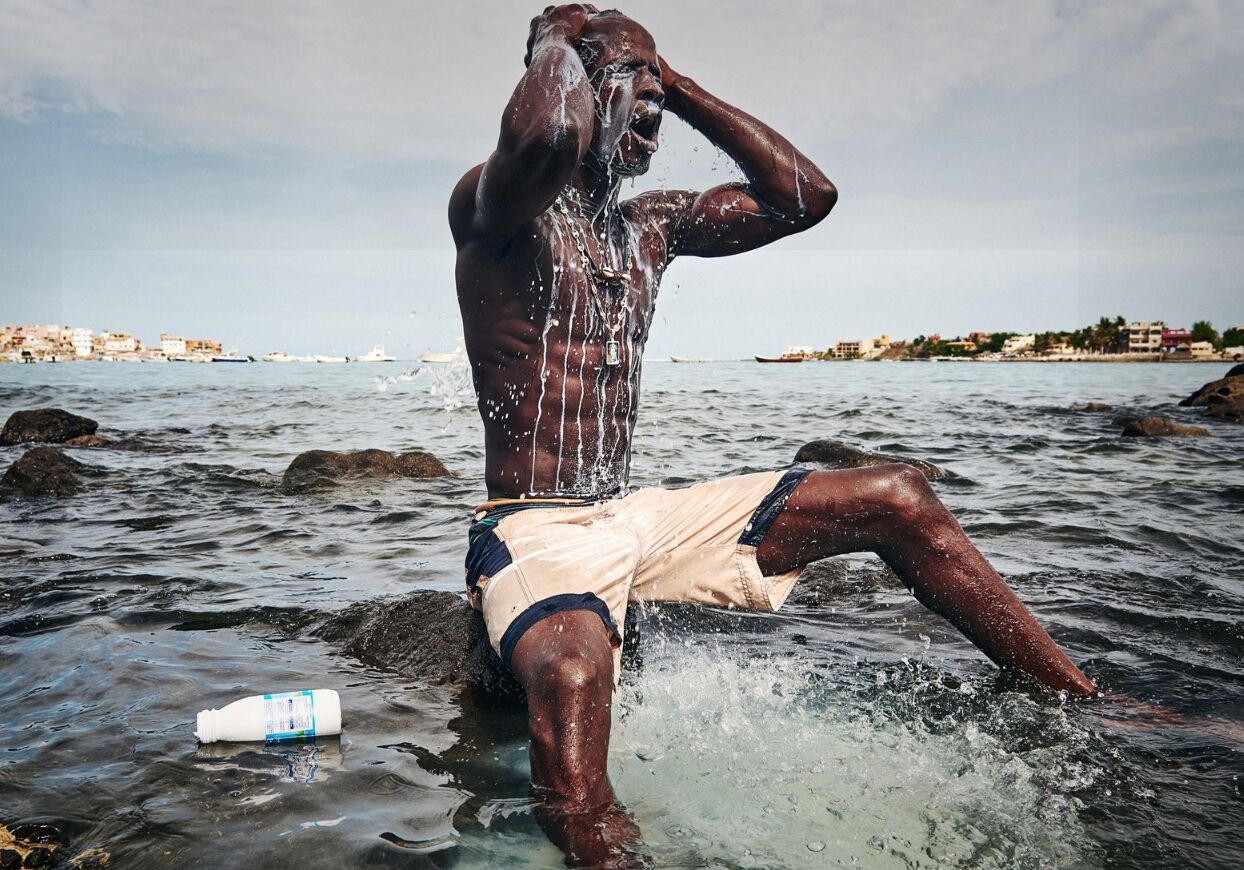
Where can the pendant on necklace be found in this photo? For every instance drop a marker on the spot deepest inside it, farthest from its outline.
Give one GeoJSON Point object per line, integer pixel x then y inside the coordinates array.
{"type": "Point", "coordinates": [613, 352]}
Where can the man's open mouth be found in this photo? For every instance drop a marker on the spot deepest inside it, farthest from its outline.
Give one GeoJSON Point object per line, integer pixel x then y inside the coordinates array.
{"type": "Point", "coordinates": [644, 128]}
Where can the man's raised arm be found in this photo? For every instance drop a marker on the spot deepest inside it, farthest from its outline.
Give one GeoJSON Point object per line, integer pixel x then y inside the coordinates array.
{"type": "Point", "coordinates": [785, 193]}
{"type": "Point", "coordinates": [545, 131]}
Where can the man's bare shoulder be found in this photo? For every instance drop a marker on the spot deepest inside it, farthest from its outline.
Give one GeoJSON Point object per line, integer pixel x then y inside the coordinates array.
{"type": "Point", "coordinates": [462, 205]}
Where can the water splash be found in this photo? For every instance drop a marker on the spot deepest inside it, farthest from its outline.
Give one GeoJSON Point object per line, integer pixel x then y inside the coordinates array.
{"type": "Point", "coordinates": [449, 383]}
{"type": "Point", "coordinates": [758, 762]}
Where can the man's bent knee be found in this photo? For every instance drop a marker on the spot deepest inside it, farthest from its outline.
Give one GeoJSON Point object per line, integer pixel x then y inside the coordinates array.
{"type": "Point", "coordinates": [906, 493]}
{"type": "Point", "coordinates": [565, 655]}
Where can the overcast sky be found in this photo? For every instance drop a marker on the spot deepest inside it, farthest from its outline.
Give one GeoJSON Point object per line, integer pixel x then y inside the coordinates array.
{"type": "Point", "coordinates": [276, 174]}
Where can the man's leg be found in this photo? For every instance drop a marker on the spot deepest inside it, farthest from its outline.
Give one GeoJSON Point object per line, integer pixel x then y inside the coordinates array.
{"type": "Point", "coordinates": [892, 511]}
{"type": "Point", "coordinates": [565, 662]}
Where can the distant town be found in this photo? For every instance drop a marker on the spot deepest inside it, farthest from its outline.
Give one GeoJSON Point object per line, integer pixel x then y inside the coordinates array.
{"type": "Point", "coordinates": [38, 344]}
{"type": "Point", "coordinates": [1109, 339]}
{"type": "Point", "coordinates": [1118, 340]}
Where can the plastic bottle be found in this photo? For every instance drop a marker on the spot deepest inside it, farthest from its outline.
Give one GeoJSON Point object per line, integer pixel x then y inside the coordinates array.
{"type": "Point", "coordinates": [287, 716]}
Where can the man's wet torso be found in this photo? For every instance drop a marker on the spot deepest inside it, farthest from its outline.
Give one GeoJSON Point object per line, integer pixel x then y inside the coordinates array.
{"type": "Point", "coordinates": [557, 416]}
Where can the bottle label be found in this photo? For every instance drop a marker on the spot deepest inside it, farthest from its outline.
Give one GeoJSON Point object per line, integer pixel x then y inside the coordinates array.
{"type": "Point", "coordinates": [289, 716]}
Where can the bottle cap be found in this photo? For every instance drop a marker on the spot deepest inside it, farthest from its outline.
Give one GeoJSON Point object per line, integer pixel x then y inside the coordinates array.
{"type": "Point", "coordinates": [204, 731]}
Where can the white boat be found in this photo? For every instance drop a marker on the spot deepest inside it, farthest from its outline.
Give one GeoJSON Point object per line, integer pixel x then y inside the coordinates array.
{"type": "Point", "coordinates": [688, 359]}
{"type": "Point", "coordinates": [278, 356]}
{"type": "Point", "coordinates": [376, 354]}
{"type": "Point", "coordinates": [431, 357]}
{"type": "Point", "coordinates": [230, 356]}
{"type": "Point", "coordinates": [331, 359]}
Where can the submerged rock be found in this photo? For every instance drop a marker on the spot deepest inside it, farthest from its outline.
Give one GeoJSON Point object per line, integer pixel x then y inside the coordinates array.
{"type": "Point", "coordinates": [50, 425]}
{"type": "Point", "coordinates": [44, 471]}
{"type": "Point", "coordinates": [1093, 406]}
{"type": "Point", "coordinates": [88, 441]}
{"type": "Point", "coordinates": [1160, 427]}
{"type": "Point", "coordinates": [435, 637]}
{"type": "Point", "coordinates": [836, 454]}
{"type": "Point", "coordinates": [319, 468]}
{"type": "Point", "coordinates": [829, 581]}
{"type": "Point", "coordinates": [1222, 399]}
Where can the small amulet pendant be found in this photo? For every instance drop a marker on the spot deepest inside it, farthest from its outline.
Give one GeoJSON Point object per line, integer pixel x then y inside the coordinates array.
{"type": "Point", "coordinates": [613, 352]}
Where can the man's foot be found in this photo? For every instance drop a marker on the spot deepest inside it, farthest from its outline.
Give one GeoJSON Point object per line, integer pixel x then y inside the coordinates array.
{"type": "Point", "coordinates": [599, 837]}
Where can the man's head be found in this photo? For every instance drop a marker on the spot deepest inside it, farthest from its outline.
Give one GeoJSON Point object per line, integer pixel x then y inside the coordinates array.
{"type": "Point", "coordinates": [620, 58]}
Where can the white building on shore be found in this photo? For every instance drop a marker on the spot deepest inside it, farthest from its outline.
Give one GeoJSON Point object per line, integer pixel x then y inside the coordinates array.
{"type": "Point", "coordinates": [1145, 336]}
{"type": "Point", "coordinates": [172, 346]}
{"type": "Point", "coordinates": [83, 341]}
{"type": "Point", "coordinates": [1019, 343]}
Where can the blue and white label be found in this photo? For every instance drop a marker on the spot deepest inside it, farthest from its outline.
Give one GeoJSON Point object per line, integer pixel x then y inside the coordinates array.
{"type": "Point", "coordinates": [289, 716]}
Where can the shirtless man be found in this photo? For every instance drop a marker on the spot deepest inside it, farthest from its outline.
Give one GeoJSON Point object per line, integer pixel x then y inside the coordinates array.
{"type": "Point", "coordinates": [557, 279]}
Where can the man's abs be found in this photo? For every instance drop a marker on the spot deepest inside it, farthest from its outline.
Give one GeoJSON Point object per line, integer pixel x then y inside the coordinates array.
{"type": "Point", "coordinates": [562, 435]}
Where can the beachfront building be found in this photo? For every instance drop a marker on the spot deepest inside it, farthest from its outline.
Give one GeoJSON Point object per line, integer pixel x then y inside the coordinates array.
{"type": "Point", "coordinates": [83, 341]}
{"type": "Point", "coordinates": [202, 347]}
{"type": "Point", "coordinates": [1174, 339]}
{"type": "Point", "coordinates": [800, 351]}
{"type": "Point", "coordinates": [172, 346]}
{"type": "Point", "coordinates": [120, 342]}
{"type": "Point", "coordinates": [853, 349]}
{"type": "Point", "coordinates": [1201, 350]}
{"type": "Point", "coordinates": [1145, 336]}
{"type": "Point", "coordinates": [1019, 343]}
{"type": "Point", "coordinates": [965, 345]}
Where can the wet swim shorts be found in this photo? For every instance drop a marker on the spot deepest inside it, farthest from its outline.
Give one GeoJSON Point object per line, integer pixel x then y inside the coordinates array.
{"type": "Point", "coordinates": [530, 559]}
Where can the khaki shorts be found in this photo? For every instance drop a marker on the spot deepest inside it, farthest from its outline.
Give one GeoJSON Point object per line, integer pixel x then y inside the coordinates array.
{"type": "Point", "coordinates": [529, 559]}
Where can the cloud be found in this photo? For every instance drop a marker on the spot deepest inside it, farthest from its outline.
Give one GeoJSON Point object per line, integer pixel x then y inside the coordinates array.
{"type": "Point", "coordinates": [411, 81]}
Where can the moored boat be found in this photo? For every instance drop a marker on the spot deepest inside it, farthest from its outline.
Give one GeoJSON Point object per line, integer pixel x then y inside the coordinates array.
{"type": "Point", "coordinates": [777, 359]}
{"type": "Point", "coordinates": [331, 359]}
{"type": "Point", "coordinates": [230, 356]}
{"type": "Point", "coordinates": [376, 354]}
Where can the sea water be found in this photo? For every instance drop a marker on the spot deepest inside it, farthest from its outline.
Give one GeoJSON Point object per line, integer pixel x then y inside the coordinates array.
{"type": "Point", "coordinates": [852, 729]}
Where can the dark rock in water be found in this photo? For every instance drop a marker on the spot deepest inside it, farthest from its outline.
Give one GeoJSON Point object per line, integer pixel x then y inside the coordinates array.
{"type": "Point", "coordinates": [1093, 406]}
{"type": "Point", "coordinates": [828, 581]}
{"type": "Point", "coordinates": [435, 637]}
{"type": "Point", "coordinates": [51, 425]}
{"type": "Point", "coordinates": [1160, 427]}
{"type": "Point", "coordinates": [835, 454]}
{"type": "Point", "coordinates": [44, 470]}
{"type": "Point", "coordinates": [319, 468]}
{"type": "Point", "coordinates": [1222, 399]}
{"type": "Point", "coordinates": [88, 441]}
{"type": "Point", "coordinates": [32, 845]}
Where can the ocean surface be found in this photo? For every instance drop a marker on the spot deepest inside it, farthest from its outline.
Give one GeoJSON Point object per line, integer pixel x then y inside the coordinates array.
{"type": "Point", "coordinates": [852, 729]}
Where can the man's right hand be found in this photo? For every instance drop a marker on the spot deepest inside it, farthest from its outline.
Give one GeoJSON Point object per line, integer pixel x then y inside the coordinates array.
{"type": "Point", "coordinates": [566, 20]}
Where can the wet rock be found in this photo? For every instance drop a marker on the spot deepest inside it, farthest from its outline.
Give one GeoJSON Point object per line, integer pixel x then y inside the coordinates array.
{"type": "Point", "coordinates": [435, 637]}
{"type": "Point", "coordinates": [1222, 399]}
{"type": "Point", "coordinates": [44, 471]}
{"type": "Point", "coordinates": [836, 454]}
{"type": "Point", "coordinates": [88, 441]}
{"type": "Point", "coordinates": [320, 468]}
{"type": "Point", "coordinates": [829, 581]}
{"type": "Point", "coordinates": [29, 845]}
{"type": "Point", "coordinates": [1160, 427]}
{"type": "Point", "coordinates": [51, 425]}
{"type": "Point", "coordinates": [1093, 406]}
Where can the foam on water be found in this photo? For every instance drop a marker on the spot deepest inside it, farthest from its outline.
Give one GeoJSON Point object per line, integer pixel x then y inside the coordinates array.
{"type": "Point", "coordinates": [734, 761]}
